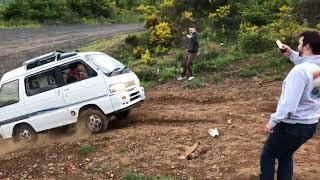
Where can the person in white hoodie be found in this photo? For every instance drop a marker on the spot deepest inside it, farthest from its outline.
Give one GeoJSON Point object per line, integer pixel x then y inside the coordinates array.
{"type": "Point", "coordinates": [296, 118]}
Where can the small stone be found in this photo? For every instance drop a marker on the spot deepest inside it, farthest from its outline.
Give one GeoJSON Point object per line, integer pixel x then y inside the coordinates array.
{"type": "Point", "coordinates": [24, 175]}
{"type": "Point", "coordinates": [87, 159]}
{"type": "Point", "coordinates": [172, 167]}
{"type": "Point", "coordinates": [34, 166]}
{"type": "Point", "coordinates": [229, 121]}
{"type": "Point", "coordinates": [111, 175]}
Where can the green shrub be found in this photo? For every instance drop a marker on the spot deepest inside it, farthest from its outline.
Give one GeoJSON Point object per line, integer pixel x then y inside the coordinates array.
{"type": "Point", "coordinates": [167, 74]}
{"type": "Point", "coordinates": [132, 40]}
{"type": "Point", "coordinates": [160, 50]}
{"type": "Point", "coordinates": [145, 72]}
{"type": "Point", "coordinates": [254, 42]}
{"type": "Point", "coordinates": [180, 56]}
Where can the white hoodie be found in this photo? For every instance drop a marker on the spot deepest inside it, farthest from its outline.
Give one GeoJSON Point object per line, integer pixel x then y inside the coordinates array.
{"type": "Point", "coordinates": [300, 98]}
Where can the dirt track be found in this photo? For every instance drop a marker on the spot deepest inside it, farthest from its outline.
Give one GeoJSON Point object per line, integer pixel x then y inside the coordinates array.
{"type": "Point", "coordinates": [170, 119]}
{"type": "Point", "coordinates": [17, 46]}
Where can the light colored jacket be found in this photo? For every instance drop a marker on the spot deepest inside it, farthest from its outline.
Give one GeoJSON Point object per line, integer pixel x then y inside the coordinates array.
{"type": "Point", "coordinates": [300, 98]}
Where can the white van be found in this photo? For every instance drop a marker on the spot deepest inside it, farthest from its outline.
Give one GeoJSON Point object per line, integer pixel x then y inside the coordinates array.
{"type": "Point", "coordinates": [58, 89]}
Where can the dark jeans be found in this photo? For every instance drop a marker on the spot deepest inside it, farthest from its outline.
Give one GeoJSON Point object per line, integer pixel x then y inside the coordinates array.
{"type": "Point", "coordinates": [281, 144]}
{"type": "Point", "coordinates": [187, 64]}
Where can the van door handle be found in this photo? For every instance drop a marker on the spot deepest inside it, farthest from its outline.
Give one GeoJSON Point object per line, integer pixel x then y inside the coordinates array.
{"type": "Point", "coordinates": [58, 92]}
{"type": "Point", "coordinates": [66, 90]}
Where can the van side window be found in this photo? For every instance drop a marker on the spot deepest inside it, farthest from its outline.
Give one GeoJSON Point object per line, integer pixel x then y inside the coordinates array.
{"type": "Point", "coordinates": [9, 93]}
{"type": "Point", "coordinates": [41, 82]}
{"type": "Point", "coordinates": [76, 71]}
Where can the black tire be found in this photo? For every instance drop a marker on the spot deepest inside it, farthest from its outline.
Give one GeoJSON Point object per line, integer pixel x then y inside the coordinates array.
{"type": "Point", "coordinates": [25, 133]}
{"type": "Point", "coordinates": [94, 120]}
{"type": "Point", "coordinates": [123, 115]}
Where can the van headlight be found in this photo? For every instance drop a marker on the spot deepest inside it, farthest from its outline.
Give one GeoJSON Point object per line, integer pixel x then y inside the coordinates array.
{"type": "Point", "coordinates": [117, 87]}
{"type": "Point", "coordinates": [137, 82]}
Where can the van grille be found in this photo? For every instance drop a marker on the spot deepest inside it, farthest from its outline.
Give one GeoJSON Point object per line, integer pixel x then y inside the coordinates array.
{"type": "Point", "coordinates": [134, 96]}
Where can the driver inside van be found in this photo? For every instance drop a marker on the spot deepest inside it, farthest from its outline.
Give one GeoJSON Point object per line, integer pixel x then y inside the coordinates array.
{"type": "Point", "coordinates": [77, 72]}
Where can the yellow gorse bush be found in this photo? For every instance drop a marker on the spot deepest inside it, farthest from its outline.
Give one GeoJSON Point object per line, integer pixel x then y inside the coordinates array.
{"type": "Point", "coordinates": [137, 52]}
{"type": "Point", "coordinates": [244, 27]}
{"type": "Point", "coordinates": [146, 57]}
{"type": "Point", "coordinates": [187, 15]}
{"type": "Point", "coordinates": [221, 12]}
{"type": "Point", "coordinates": [285, 9]}
{"type": "Point", "coordinates": [152, 15]}
{"type": "Point", "coordinates": [167, 4]}
{"type": "Point", "coordinates": [147, 10]}
{"type": "Point", "coordinates": [161, 34]}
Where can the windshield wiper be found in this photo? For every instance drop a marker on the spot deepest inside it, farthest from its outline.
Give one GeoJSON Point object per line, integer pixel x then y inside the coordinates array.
{"type": "Point", "coordinates": [124, 68]}
{"type": "Point", "coordinates": [116, 69]}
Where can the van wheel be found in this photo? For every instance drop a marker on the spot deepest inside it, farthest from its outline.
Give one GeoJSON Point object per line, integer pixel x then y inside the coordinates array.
{"type": "Point", "coordinates": [122, 115]}
{"type": "Point", "coordinates": [95, 120]}
{"type": "Point", "coordinates": [25, 133]}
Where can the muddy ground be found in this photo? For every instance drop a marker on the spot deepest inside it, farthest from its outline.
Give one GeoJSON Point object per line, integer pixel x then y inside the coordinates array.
{"type": "Point", "coordinates": [171, 119]}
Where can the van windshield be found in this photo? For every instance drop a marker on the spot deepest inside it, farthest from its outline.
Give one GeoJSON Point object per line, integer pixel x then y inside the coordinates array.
{"type": "Point", "coordinates": [106, 63]}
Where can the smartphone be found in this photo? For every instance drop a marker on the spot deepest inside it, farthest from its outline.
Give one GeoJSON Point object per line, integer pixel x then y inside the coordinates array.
{"type": "Point", "coordinates": [280, 46]}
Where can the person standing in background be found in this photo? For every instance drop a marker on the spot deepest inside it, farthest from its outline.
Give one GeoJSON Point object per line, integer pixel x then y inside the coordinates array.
{"type": "Point", "coordinates": [191, 53]}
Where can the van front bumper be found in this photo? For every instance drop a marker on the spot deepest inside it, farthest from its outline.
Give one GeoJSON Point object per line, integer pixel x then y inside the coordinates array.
{"type": "Point", "coordinates": [127, 99]}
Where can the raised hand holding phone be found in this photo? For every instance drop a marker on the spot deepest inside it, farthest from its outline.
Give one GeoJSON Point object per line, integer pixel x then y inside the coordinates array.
{"type": "Point", "coordinates": [280, 46]}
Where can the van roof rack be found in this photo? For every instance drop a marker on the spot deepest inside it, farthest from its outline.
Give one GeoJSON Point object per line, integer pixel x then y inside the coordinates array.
{"type": "Point", "coordinates": [47, 58]}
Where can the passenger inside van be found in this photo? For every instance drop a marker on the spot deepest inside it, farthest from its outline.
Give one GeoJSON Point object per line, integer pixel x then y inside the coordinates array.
{"type": "Point", "coordinates": [77, 72]}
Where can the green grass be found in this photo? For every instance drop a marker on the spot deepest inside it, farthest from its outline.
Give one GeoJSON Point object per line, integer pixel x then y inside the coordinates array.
{"type": "Point", "coordinates": [86, 149]}
{"type": "Point", "coordinates": [94, 21]}
{"type": "Point", "coordinates": [138, 176]}
{"type": "Point", "coordinates": [19, 24]}
{"type": "Point", "coordinates": [127, 17]}
{"type": "Point", "coordinates": [271, 65]}
{"type": "Point", "coordinates": [167, 74]}
{"type": "Point", "coordinates": [147, 84]}
{"type": "Point", "coordinates": [106, 45]}
{"type": "Point", "coordinates": [194, 84]}
{"type": "Point", "coordinates": [216, 79]}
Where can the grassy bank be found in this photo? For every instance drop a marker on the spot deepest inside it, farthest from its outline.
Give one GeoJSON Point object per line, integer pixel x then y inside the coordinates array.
{"type": "Point", "coordinates": [214, 64]}
{"type": "Point", "coordinates": [22, 24]}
